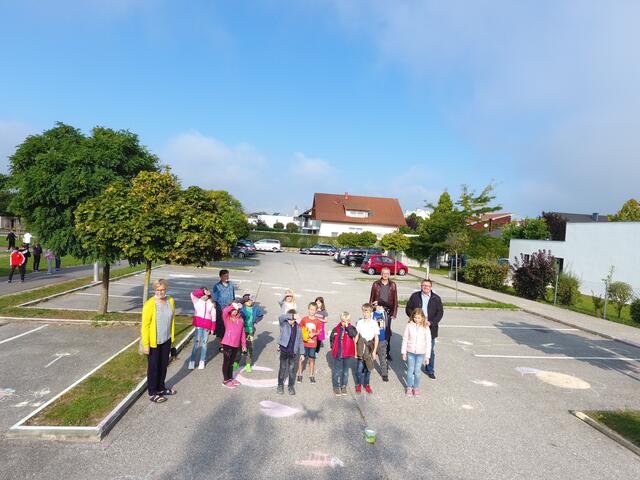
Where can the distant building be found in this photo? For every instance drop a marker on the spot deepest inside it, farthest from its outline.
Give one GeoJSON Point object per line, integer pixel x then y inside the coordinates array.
{"type": "Point", "coordinates": [333, 214]}
{"type": "Point", "coordinates": [271, 220]}
{"type": "Point", "coordinates": [490, 222]}
{"type": "Point", "coordinates": [419, 212]}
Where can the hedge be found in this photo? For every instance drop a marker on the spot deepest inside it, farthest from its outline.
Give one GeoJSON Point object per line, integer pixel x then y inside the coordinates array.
{"type": "Point", "coordinates": [485, 273]}
{"type": "Point", "coordinates": [295, 240]}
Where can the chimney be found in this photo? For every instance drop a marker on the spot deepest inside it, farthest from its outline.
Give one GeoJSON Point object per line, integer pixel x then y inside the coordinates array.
{"type": "Point", "coordinates": [594, 216]}
{"type": "Point", "coordinates": [346, 195]}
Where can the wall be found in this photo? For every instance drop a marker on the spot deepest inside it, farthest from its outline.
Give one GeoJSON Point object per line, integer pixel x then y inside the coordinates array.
{"type": "Point", "coordinates": [331, 229]}
{"type": "Point", "coordinates": [588, 251]}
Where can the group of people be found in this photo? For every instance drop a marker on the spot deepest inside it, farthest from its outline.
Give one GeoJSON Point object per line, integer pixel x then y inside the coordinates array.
{"type": "Point", "coordinates": [233, 321]}
{"type": "Point", "coordinates": [19, 256]}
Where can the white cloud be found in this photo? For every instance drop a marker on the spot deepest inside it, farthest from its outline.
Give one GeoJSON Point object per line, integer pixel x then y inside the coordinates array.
{"type": "Point", "coordinates": [12, 134]}
{"type": "Point", "coordinates": [308, 168]}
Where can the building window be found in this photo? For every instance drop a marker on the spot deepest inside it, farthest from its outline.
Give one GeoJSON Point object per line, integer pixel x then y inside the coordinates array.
{"type": "Point", "coordinates": [357, 213]}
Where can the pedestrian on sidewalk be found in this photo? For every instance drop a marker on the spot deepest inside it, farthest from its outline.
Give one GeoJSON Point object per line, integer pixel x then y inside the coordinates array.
{"type": "Point", "coordinates": [11, 240]}
{"type": "Point", "coordinates": [234, 337]}
{"type": "Point", "coordinates": [290, 346]}
{"type": "Point", "coordinates": [58, 262]}
{"type": "Point", "coordinates": [366, 348]}
{"type": "Point", "coordinates": [157, 335]}
{"type": "Point", "coordinates": [385, 292]}
{"type": "Point", "coordinates": [431, 305]}
{"type": "Point", "coordinates": [416, 350]}
{"type": "Point", "coordinates": [37, 253]}
{"type": "Point", "coordinates": [343, 349]}
{"type": "Point", "coordinates": [204, 320]}
{"type": "Point", "coordinates": [16, 262]}
{"type": "Point", "coordinates": [26, 238]}
{"type": "Point", "coordinates": [49, 257]}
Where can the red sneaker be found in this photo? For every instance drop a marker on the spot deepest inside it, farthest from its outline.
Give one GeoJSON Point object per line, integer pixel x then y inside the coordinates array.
{"type": "Point", "coordinates": [358, 388]}
{"type": "Point", "coordinates": [368, 389]}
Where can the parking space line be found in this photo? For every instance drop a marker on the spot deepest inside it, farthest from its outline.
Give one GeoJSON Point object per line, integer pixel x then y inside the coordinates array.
{"type": "Point", "coordinates": [23, 334]}
{"type": "Point", "coordinates": [544, 357]}
{"type": "Point", "coordinates": [495, 327]}
{"type": "Point", "coordinates": [110, 295]}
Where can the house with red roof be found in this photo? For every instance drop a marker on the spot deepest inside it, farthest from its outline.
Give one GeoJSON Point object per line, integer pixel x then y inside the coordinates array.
{"type": "Point", "coordinates": [489, 222]}
{"type": "Point", "coordinates": [333, 214]}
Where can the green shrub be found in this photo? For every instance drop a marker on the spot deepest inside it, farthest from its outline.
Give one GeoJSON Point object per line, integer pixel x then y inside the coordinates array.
{"type": "Point", "coordinates": [568, 288]}
{"type": "Point", "coordinates": [485, 273]}
{"type": "Point", "coordinates": [635, 310]}
{"type": "Point", "coordinates": [278, 226]}
{"type": "Point", "coordinates": [294, 240]}
{"type": "Point", "coordinates": [533, 273]}
{"type": "Point", "coordinates": [620, 293]}
{"type": "Point", "coordinates": [597, 302]}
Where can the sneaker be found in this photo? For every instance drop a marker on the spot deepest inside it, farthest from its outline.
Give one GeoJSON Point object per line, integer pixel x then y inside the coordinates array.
{"type": "Point", "coordinates": [280, 390]}
{"type": "Point", "coordinates": [337, 392]}
{"type": "Point", "coordinates": [312, 379]}
{"type": "Point", "coordinates": [408, 392]}
{"type": "Point", "coordinates": [389, 357]}
{"type": "Point", "coordinates": [8, 281]}
{"type": "Point", "coordinates": [431, 375]}
{"type": "Point", "coordinates": [299, 378]}
{"type": "Point", "coordinates": [416, 392]}
{"type": "Point", "coordinates": [358, 388]}
{"type": "Point", "coordinates": [247, 368]}
{"type": "Point", "coordinates": [192, 365]}
{"type": "Point", "coordinates": [385, 378]}
{"type": "Point", "coordinates": [343, 390]}
{"type": "Point", "coordinates": [235, 365]}
{"type": "Point", "coordinates": [228, 384]}
{"type": "Point", "coordinates": [235, 382]}
{"type": "Point", "coordinates": [292, 391]}
{"type": "Point", "coordinates": [201, 365]}
{"type": "Point", "coordinates": [368, 389]}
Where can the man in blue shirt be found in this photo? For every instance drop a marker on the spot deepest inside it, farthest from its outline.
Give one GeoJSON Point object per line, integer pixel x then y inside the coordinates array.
{"type": "Point", "coordinates": [223, 294]}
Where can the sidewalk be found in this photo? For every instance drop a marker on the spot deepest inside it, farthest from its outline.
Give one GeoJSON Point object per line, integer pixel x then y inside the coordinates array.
{"type": "Point", "coordinates": [587, 323]}
{"type": "Point", "coordinates": [42, 279]}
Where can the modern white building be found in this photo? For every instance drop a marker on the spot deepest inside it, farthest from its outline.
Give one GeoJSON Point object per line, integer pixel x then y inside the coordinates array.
{"type": "Point", "coordinates": [271, 220]}
{"type": "Point", "coordinates": [589, 250]}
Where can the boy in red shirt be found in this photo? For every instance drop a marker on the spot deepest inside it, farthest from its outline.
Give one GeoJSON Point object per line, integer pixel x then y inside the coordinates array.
{"type": "Point", "coordinates": [17, 260]}
{"type": "Point", "coordinates": [311, 325]}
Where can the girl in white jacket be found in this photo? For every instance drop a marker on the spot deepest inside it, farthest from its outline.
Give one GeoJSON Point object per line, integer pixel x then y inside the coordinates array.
{"type": "Point", "coordinates": [204, 319]}
{"type": "Point", "coordinates": [416, 349]}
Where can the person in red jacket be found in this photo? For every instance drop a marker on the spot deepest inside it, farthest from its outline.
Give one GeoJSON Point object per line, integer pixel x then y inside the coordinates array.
{"type": "Point", "coordinates": [343, 349]}
{"type": "Point", "coordinates": [17, 260]}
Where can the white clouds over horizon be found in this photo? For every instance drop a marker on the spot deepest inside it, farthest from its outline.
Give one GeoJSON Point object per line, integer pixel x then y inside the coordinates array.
{"type": "Point", "coordinates": [12, 134]}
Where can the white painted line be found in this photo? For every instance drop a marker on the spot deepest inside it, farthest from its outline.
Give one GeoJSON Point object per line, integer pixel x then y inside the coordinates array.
{"type": "Point", "coordinates": [329, 292]}
{"type": "Point", "coordinates": [110, 295]}
{"type": "Point", "coordinates": [543, 357]}
{"type": "Point", "coordinates": [494, 327]}
{"type": "Point", "coordinates": [23, 334]}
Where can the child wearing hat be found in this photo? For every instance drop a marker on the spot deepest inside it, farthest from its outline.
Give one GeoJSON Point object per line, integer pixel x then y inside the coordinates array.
{"type": "Point", "coordinates": [288, 302]}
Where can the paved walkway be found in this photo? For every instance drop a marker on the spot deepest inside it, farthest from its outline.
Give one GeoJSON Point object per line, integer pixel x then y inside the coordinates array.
{"type": "Point", "coordinates": [598, 326]}
{"type": "Point", "coordinates": [42, 279]}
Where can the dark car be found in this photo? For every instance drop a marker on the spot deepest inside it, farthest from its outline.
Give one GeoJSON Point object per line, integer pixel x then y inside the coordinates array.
{"type": "Point", "coordinates": [340, 253]}
{"type": "Point", "coordinates": [243, 248]}
{"type": "Point", "coordinates": [354, 258]}
{"type": "Point", "coordinates": [319, 249]}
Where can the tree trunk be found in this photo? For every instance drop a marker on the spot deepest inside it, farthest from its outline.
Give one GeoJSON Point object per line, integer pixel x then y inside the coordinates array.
{"type": "Point", "coordinates": [456, 277]}
{"type": "Point", "coordinates": [147, 279]}
{"type": "Point", "coordinates": [104, 298]}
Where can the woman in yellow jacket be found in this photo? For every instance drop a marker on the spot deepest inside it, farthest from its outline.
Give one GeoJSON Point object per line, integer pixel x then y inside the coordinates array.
{"type": "Point", "coordinates": [157, 337]}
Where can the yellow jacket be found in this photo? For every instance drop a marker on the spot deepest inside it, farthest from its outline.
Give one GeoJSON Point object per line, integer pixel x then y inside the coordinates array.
{"type": "Point", "coordinates": [148, 332]}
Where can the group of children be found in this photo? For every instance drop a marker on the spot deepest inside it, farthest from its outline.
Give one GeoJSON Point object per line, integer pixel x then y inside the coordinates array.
{"type": "Point", "coordinates": [301, 339]}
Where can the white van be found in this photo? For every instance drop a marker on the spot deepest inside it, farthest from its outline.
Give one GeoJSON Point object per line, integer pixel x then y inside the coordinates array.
{"type": "Point", "coordinates": [268, 245]}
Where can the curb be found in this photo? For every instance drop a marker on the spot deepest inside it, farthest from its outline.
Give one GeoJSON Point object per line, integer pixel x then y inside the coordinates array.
{"type": "Point", "coordinates": [84, 433]}
{"type": "Point", "coordinates": [624, 341]}
{"type": "Point", "coordinates": [615, 436]}
{"type": "Point", "coordinates": [70, 320]}
{"type": "Point", "coordinates": [84, 287]}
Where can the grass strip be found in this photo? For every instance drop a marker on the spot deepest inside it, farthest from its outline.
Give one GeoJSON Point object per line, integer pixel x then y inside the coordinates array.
{"type": "Point", "coordinates": [500, 305]}
{"type": "Point", "coordinates": [626, 423]}
{"type": "Point", "coordinates": [90, 401]}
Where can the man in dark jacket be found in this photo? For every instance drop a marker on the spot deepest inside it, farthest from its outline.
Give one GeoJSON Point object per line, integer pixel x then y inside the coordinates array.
{"type": "Point", "coordinates": [385, 292]}
{"type": "Point", "coordinates": [431, 305]}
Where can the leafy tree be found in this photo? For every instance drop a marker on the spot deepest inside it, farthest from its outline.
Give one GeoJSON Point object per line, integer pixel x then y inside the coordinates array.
{"type": "Point", "coordinates": [59, 169]}
{"type": "Point", "coordinates": [262, 225]}
{"type": "Point", "coordinates": [597, 302]}
{"type": "Point", "coordinates": [413, 222]}
{"type": "Point", "coordinates": [620, 293]}
{"type": "Point", "coordinates": [395, 241]}
{"type": "Point", "coordinates": [528, 229]}
{"type": "Point", "coordinates": [473, 205]}
{"type": "Point", "coordinates": [292, 227]}
{"type": "Point", "coordinates": [568, 288]}
{"type": "Point", "coordinates": [365, 239]}
{"type": "Point", "coordinates": [418, 250]}
{"type": "Point", "coordinates": [347, 239]}
{"type": "Point", "coordinates": [635, 310]}
{"type": "Point", "coordinates": [532, 274]}
{"type": "Point", "coordinates": [278, 226]}
{"type": "Point", "coordinates": [6, 195]}
{"type": "Point", "coordinates": [630, 212]}
{"type": "Point", "coordinates": [456, 242]}
{"type": "Point", "coordinates": [557, 225]}
{"type": "Point", "coordinates": [482, 245]}
{"type": "Point", "coordinates": [444, 219]}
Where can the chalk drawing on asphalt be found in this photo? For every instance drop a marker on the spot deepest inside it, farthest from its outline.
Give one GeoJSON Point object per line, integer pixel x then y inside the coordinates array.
{"type": "Point", "coordinates": [321, 460]}
{"type": "Point", "coordinates": [485, 383]}
{"type": "Point", "coordinates": [277, 410]}
{"type": "Point", "coordinates": [557, 379]}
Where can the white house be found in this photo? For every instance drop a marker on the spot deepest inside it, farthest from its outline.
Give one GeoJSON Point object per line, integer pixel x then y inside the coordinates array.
{"type": "Point", "coordinates": [333, 214]}
{"type": "Point", "coordinates": [271, 220]}
{"type": "Point", "coordinates": [589, 249]}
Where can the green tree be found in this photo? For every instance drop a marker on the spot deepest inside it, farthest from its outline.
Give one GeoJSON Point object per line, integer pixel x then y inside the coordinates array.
{"type": "Point", "coordinates": [395, 241]}
{"type": "Point", "coordinates": [456, 243]}
{"type": "Point", "coordinates": [59, 169]}
{"type": "Point", "coordinates": [620, 293]}
{"type": "Point", "coordinates": [278, 226]}
{"type": "Point", "coordinates": [630, 212]}
{"type": "Point", "coordinates": [347, 239]}
{"type": "Point", "coordinates": [485, 246]}
{"type": "Point", "coordinates": [444, 218]}
{"type": "Point", "coordinates": [365, 239]}
{"type": "Point", "coordinates": [292, 227]}
{"type": "Point", "coordinates": [473, 205]}
{"type": "Point", "coordinates": [529, 229]}
{"type": "Point", "coordinates": [6, 195]}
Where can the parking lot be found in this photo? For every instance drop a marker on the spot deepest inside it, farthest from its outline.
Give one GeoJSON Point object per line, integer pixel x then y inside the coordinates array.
{"type": "Point", "coordinates": [499, 408]}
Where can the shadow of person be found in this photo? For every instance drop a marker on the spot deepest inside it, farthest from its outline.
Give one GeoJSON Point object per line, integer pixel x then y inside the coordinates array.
{"type": "Point", "coordinates": [260, 342]}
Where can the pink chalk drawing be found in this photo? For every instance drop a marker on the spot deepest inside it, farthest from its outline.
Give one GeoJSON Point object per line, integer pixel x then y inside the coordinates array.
{"type": "Point", "coordinates": [257, 382]}
{"type": "Point", "coordinates": [321, 460]}
{"type": "Point", "coordinates": [277, 410]}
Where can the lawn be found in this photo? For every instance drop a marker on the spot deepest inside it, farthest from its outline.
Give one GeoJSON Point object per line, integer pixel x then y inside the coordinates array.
{"type": "Point", "coordinates": [505, 306]}
{"type": "Point", "coordinates": [626, 423]}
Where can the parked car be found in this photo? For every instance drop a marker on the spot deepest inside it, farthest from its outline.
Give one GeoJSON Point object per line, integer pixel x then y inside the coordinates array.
{"type": "Point", "coordinates": [268, 245]}
{"type": "Point", "coordinates": [247, 243]}
{"type": "Point", "coordinates": [339, 255]}
{"type": "Point", "coordinates": [243, 248]}
{"type": "Point", "coordinates": [354, 258]}
{"type": "Point", "coordinates": [373, 264]}
{"type": "Point", "coordinates": [319, 249]}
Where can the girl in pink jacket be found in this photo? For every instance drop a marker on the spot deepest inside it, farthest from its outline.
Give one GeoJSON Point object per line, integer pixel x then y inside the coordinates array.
{"type": "Point", "coordinates": [416, 349]}
{"type": "Point", "coordinates": [234, 336]}
{"type": "Point", "coordinates": [204, 319]}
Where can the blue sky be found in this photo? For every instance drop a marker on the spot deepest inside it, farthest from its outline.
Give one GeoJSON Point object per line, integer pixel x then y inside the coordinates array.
{"type": "Point", "coordinates": [274, 100]}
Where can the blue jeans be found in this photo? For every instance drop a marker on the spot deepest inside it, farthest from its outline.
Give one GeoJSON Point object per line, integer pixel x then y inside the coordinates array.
{"type": "Point", "coordinates": [340, 372]}
{"type": "Point", "coordinates": [200, 340]}
{"type": "Point", "coordinates": [363, 375]}
{"type": "Point", "coordinates": [414, 361]}
{"type": "Point", "coordinates": [432, 359]}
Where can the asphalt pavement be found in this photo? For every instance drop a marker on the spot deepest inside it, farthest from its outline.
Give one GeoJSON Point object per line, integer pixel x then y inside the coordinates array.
{"type": "Point", "coordinates": [498, 409]}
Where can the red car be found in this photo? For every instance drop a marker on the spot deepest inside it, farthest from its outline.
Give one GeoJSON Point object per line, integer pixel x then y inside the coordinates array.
{"type": "Point", "coordinates": [373, 264]}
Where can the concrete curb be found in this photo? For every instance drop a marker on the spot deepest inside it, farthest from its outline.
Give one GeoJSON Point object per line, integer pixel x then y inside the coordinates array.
{"type": "Point", "coordinates": [607, 431]}
{"type": "Point", "coordinates": [84, 287]}
{"type": "Point", "coordinates": [84, 433]}
{"type": "Point", "coordinates": [70, 320]}
{"type": "Point", "coordinates": [547, 317]}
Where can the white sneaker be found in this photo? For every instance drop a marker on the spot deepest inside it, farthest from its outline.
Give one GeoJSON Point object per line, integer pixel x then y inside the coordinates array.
{"type": "Point", "coordinates": [201, 365]}
{"type": "Point", "coordinates": [192, 365]}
